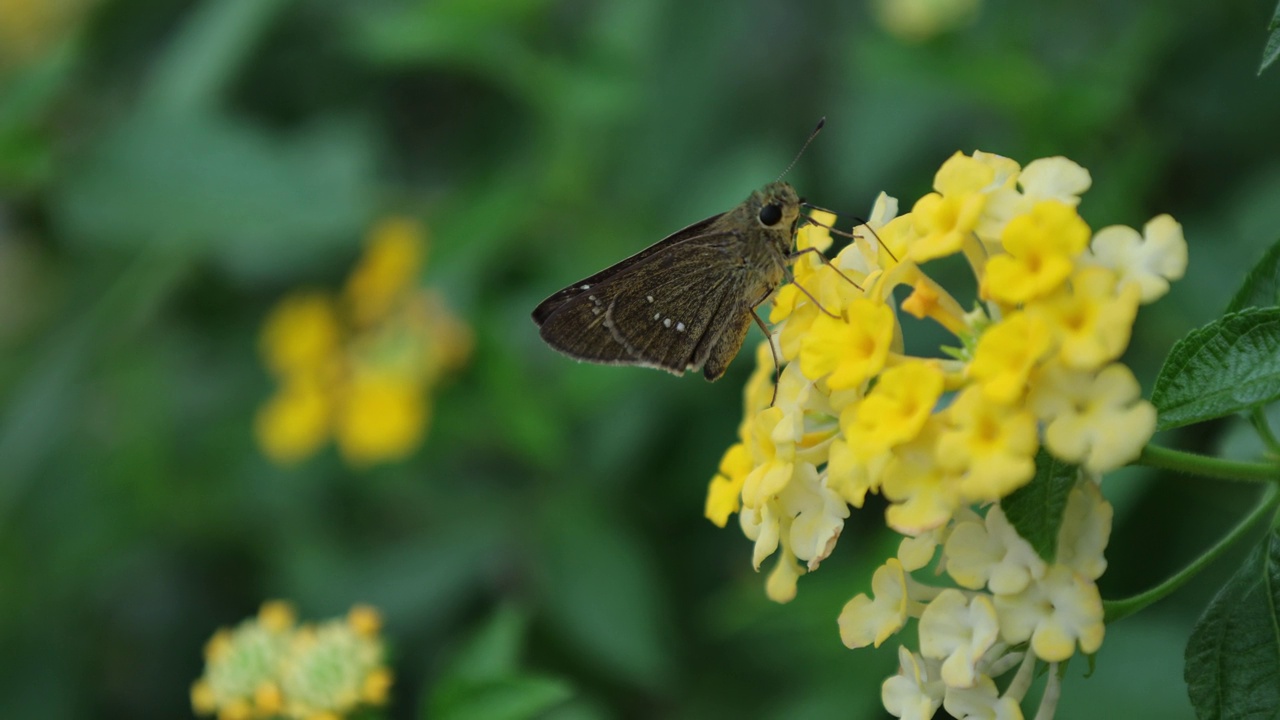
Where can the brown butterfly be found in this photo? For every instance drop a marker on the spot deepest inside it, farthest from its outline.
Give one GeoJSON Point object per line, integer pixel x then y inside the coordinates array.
{"type": "Point", "coordinates": [686, 302]}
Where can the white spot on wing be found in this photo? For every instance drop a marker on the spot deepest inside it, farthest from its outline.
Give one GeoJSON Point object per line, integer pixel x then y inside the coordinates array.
{"type": "Point", "coordinates": [666, 322]}
{"type": "Point", "coordinates": [650, 298]}
{"type": "Point", "coordinates": [657, 315]}
{"type": "Point", "coordinates": [585, 287]}
{"type": "Point", "coordinates": [679, 327]}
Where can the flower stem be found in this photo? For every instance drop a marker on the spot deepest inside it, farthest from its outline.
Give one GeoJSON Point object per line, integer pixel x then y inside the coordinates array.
{"type": "Point", "coordinates": [1117, 609]}
{"type": "Point", "coordinates": [1194, 464]}
{"type": "Point", "coordinates": [1259, 419]}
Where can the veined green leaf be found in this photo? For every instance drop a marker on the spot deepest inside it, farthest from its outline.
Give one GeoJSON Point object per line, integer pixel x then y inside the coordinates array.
{"type": "Point", "coordinates": [1035, 510]}
{"type": "Point", "coordinates": [1233, 656]}
{"type": "Point", "coordinates": [1229, 365]}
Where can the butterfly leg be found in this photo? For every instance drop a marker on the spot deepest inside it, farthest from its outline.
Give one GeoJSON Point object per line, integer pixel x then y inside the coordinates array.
{"type": "Point", "coordinates": [825, 261]}
{"type": "Point", "coordinates": [852, 235]}
{"type": "Point", "coordinates": [777, 368]}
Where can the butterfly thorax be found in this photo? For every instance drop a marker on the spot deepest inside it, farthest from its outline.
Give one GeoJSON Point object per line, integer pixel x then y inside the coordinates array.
{"type": "Point", "coordinates": [766, 223]}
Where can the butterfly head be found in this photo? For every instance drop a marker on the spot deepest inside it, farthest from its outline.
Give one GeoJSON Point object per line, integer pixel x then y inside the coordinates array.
{"type": "Point", "coordinates": [776, 205]}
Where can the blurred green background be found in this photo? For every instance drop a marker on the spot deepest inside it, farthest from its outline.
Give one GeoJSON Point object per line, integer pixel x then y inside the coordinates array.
{"type": "Point", "coordinates": [169, 170]}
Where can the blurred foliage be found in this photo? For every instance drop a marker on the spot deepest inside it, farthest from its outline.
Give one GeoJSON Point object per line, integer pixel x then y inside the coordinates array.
{"type": "Point", "coordinates": [169, 170]}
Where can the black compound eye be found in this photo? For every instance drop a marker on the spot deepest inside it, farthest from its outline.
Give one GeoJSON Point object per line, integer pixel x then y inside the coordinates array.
{"type": "Point", "coordinates": [771, 214]}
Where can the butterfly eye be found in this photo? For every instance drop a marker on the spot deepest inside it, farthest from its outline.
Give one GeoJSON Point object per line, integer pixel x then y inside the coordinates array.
{"type": "Point", "coordinates": [770, 214]}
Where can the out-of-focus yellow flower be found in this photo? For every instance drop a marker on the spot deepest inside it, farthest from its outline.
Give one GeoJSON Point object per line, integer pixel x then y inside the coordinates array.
{"type": "Point", "coordinates": [296, 421]}
{"type": "Point", "coordinates": [360, 371]}
{"type": "Point", "coordinates": [332, 669]}
{"type": "Point", "coordinates": [269, 667]}
{"type": "Point", "coordinates": [31, 27]}
{"type": "Point", "coordinates": [395, 252]}
{"type": "Point", "coordinates": [242, 666]}
{"type": "Point", "coordinates": [383, 418]}
{"type": "Point", "coordinates": [919, 20]}
{"type": "Point", "coordinates": [301, 335]}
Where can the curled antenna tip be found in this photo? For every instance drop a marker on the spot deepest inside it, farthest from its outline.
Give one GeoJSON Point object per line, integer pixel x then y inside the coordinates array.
{"type": "Point", "coordinates": [821, 121]}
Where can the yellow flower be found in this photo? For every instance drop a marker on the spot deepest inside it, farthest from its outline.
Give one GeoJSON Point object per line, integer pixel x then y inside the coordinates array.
{"type": "Point", "coordinates": [1085, 530]}
{"type": "Point", "coordinates": [1055, 613]}
{"type": "Point", "coordinates": [296, 421]}
{"type": "Point", "coordinates": [1006, 354]}
{"type": "Point", "coordinates": [847, 475]}
{"type": "Point", "coordinates": [333, 668]}
{"type": "Point", "coordinates": [1091, 319]}
{"type": "Point", "coordinates": [958, 631]}
{"type": "Point", "coordinates": [816, 234]}
{"type": "Point", "coordinates": [1098, 421]}
{"type": "Point", "coordinates": [31, 27]}
{"type": "Point", "coordinates": [391, 263]}
{"type": "Point", "coordinates": [946, 219]}
{"type": "Point", "coordinates": [922, 495]}
{"type": "Point", "coordinates": [865, 621]}
{"type": "Point", "coordinates": [773, 452]}
{"type": "Point", "coordinates": [849, 351]}
{"type": "Point", "coordinates": [302, 334]}
{"type": "Point", "coordinates": [726, 487]}
{"type": "Point", "coordinates": [919, 20]}
{"type": "Point", "coordinates": [360, 372]}
{"type": "Point", "coordinates": [990, 447]}
{"type": "Point", "coordinates": [989, 552]}
{"type": "Point", "coordinates": [1042, 247]}
{"type": "Point", "coordinates": [383, 417]}
{"type": "Point", "coordinates": [916, 691]}
{"type": "Point", "coordinates": [1148, 261]}
{"type": "Point", "coordinates": [894, 411]}
{"type": "Point", "coordinates": [242, 666]}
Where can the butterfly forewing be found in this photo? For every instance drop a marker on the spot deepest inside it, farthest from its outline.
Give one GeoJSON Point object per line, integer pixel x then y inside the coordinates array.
{"type": "Point", "coordinates": [660, 311]}
{"type": "Point", "coordinates": [551, 304]}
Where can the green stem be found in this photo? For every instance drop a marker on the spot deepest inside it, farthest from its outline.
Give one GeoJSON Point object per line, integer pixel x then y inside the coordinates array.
{"type": "Point", "coordinates": [1117, 609]}
{"type": "Point", "coordinates": [1259, 419]}
{"type": "Point", "coordinates": [1193, 464]}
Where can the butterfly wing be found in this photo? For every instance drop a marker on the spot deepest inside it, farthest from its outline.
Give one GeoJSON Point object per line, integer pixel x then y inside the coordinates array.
{"type": "Point", "coordinates": [668, 310]}
{"type": "Point", "coordinates": [551, 304]}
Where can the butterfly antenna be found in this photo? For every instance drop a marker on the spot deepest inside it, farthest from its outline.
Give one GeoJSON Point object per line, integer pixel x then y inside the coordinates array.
{"type": "Point", "coordinates": [821, 121]}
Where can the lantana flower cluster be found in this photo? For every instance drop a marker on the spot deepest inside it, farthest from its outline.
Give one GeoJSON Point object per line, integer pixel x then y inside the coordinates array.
{"type": "Point", "coordinates": [359, 367]}
{"type": "Point", "coordinates": [944, 438]}
{"type": "Point", "coordinates": [270, 667]}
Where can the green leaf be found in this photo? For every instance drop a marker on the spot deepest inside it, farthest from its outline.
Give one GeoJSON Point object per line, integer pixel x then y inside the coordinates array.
{"type": "Point", "coordinates": [494, 651]}
{"type": "Point", "coordinates": [1227, 366]}
{"type": "Point", "coordinates": [1233, 656]}
{"type": "Point", "coordinates": [511, 698]}
{"type": "Point", "coordinates": [216, 185]}
{"type": "Point", "coordinates": [1262, 286]}
{"type": "Point", "coordinates": [603, 591]}
{"type": "Point", "coordinates": [207, 51]}
{"type": "Point", "coordinates": [1035, 510]}
{"type": "Point", "coordinates": [1272, 50]}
